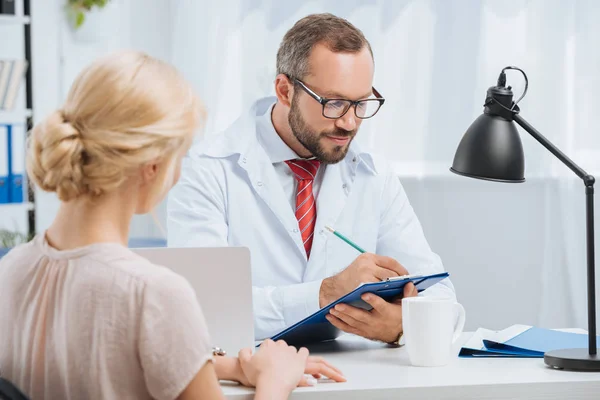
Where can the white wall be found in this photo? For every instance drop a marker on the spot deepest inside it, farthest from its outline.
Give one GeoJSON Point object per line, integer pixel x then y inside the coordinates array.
{"type": "Point", "coordinates": [493, 240]}
{"type": "Point", "coordinates": [59, 55]}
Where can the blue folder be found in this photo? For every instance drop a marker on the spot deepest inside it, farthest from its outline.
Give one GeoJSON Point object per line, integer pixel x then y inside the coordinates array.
{"type": "Point", "coordinates": [530, 342]}
{"type": "Point", "coordinates": [4, 188]}
{"type": "Point", "coordinates": [539, 341]}
{"type": "Point", "coordinates": [17, 188]}
{"type": "Point", "coordinates": [316, 328]}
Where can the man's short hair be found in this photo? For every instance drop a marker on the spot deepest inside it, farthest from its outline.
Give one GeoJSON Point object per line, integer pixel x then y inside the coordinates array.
{"type": "Point", "coordinates": [336, 33]}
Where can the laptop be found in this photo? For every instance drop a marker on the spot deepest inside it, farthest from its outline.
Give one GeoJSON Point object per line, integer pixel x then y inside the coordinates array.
{"type": "Point", "coordinates": [222, 280]}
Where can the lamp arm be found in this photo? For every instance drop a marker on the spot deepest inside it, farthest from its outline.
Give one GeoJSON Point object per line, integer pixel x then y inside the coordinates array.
{"type": "Point", "coordinates": [588, 180]}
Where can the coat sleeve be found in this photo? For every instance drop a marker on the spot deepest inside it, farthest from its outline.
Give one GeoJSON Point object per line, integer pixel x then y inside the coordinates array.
{"type": "Point", "coordinates": [197, 217]}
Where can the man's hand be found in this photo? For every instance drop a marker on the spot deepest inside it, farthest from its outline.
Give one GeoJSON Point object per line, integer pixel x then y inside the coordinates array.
{"type": "Point", "coordinates": [366, 268]}
{"type": "Point", "coordinates": [383, 322]}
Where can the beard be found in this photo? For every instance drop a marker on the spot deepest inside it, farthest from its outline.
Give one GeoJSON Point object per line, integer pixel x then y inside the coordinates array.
{"type": "Point", "coordinates": [311, 140]}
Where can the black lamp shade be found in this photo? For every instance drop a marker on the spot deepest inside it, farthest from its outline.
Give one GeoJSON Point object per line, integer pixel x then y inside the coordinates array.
{"type": "Point", "coordinates": [491, 149]}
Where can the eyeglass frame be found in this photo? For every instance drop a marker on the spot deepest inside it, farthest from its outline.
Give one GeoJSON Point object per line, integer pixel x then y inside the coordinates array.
{"type": "Point", "coordinates": [353, 103]}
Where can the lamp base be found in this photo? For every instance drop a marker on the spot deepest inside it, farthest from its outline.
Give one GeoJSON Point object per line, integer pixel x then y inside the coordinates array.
{"type": "Point", "coordinates": [573, 359]}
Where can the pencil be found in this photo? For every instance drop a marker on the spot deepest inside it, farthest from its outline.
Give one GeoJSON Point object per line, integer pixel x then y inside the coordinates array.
{"type": "Point", "coordinates": [345, 239]}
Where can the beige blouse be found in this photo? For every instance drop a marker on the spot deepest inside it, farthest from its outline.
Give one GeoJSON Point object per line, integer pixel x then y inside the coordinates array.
{"type": "Point", "coordinates": [97, 322]}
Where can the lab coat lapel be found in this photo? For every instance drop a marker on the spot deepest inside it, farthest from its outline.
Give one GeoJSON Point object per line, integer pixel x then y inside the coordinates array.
{"type": "Point", "coordinates": [263, 178]}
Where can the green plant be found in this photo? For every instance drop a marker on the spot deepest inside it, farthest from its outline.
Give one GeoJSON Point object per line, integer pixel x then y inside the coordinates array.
{"type": "Point", "coordinates": [9, 239]}
{"type": "Point", "coordinates": [76, 9]}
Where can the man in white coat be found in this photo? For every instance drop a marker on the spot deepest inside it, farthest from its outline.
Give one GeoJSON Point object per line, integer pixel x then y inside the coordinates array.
{"type": "Point", "coordinates": [287, 169]}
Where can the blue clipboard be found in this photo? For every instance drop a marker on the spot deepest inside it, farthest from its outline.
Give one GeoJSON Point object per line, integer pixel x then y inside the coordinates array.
{"type": "Point", "coordinates": [316, 328]}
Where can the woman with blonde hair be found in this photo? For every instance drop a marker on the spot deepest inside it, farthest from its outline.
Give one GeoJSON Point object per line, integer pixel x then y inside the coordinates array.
{"type": "Point", "coordinates": [82, 316]}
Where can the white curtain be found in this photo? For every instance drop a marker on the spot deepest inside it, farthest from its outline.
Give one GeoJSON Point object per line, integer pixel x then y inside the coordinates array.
{"type": "Point", "coordinates": [516, 252]}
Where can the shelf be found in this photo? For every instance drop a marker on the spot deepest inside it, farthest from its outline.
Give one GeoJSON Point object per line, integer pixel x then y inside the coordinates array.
{"type": "Point", "coordinates": [14, 19]}
{"type": "Point", "coordinates": [14, 115]}
{"type": "Point", "coordinates": [25, 206]}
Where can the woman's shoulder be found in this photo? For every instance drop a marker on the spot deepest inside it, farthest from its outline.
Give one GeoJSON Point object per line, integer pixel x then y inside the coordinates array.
{"type": "Point", "coordinates": [150, 274]}
{"type": "Point", "coordinates": [22, 253]}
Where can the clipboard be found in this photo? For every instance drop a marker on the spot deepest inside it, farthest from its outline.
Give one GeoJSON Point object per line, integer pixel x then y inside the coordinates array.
{"type": "Point", "coordinates": [316, 328]}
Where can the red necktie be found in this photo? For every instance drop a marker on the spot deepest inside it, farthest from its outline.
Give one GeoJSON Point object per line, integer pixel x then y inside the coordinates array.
{"type": "Point", "coordinates": [306, 206]}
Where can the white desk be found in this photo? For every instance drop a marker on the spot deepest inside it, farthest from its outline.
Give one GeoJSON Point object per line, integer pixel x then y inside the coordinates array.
{"type": "Point", "coordinates": [375, 372]}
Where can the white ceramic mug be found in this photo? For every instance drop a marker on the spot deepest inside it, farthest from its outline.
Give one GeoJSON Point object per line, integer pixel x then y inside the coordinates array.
{"type": "Point", "coordinates": [431, 326]}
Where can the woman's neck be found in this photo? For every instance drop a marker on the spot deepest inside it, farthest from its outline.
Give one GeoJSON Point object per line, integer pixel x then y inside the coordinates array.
{"type": "Point", "coordinates": [86, 221]}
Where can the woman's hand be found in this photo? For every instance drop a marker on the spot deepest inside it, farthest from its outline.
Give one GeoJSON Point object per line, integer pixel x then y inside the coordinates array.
{"type": "Point", "coordinates": [251, 366]}
{"type": "Point", "coordinates": [276, 369]}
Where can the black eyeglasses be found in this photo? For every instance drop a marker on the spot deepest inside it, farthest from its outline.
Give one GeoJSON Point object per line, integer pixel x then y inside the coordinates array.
{"type": "Point", "coordinates": [337, 108]}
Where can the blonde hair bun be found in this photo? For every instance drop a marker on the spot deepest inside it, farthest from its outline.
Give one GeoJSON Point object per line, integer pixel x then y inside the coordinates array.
{"type": "Point", "coordinates": [55, 157]}
{"type": "Point", "coordinates": [123, 111]}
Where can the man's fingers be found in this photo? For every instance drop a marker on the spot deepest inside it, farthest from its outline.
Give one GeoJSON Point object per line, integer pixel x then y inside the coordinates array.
{"type": "Point", "coordinates": [410, 290]}
{"type": "Point", "coordinates": [391, 264]}
{"type": "Point", "coordinates": [383, 273]}
{"type": "Point", "coordinates": [379, 304]}
{"type": "Point", "coordinates": [338, 323]}
{"type": "Point", "coordinates": [322, 369]}
{"type": "Point", "coordinates": [358, 314]}
{"type": "Point", "coordinates": [353, 316]}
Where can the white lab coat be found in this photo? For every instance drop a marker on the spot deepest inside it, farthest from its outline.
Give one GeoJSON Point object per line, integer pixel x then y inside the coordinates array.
{"type": "Point", "coordinates": [229, 194]}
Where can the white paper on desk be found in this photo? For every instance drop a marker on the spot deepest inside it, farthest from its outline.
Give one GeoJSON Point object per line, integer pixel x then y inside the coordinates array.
{"type": "Point", "coordinates": [476, 341]}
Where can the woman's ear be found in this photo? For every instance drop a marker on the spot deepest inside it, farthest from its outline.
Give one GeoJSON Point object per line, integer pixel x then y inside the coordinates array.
{"type": "Point", "coordinates": [149, 172]}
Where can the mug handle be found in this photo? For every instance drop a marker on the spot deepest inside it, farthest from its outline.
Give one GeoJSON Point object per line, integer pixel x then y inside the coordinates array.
{"type": "Point", "coordinates": [460, 324]}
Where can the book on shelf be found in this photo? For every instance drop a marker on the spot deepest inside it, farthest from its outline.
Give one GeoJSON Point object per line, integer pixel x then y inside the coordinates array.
{"type": "Point", "coordinates": [12, 73]}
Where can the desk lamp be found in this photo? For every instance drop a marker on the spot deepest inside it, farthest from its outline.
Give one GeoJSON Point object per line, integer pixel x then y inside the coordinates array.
{"type": "Point", "coordinates": [491, 149]}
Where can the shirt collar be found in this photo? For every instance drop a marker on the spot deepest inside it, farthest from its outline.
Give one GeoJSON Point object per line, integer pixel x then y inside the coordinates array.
{"type": "Point", "coordinates": [270, 140]}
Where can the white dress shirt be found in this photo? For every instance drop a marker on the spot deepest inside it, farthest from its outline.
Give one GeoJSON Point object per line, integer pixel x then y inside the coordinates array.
{"type": "Point", "coordinates": [230, 193]}
{"type": "Point", "coordinates": [279, 153]}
